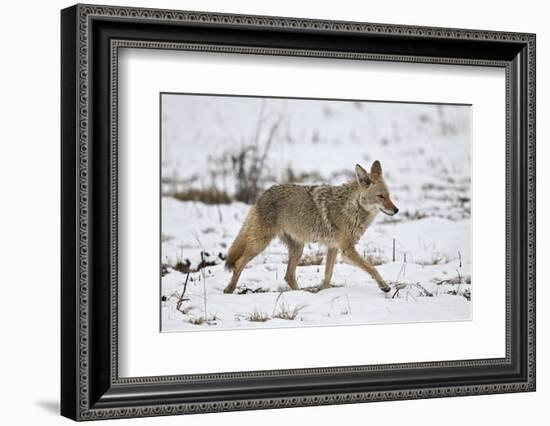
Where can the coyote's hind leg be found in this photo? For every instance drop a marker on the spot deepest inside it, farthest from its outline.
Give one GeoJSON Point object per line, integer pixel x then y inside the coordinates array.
{"type": "Point", "coordinates": [295, 250]}
{"type": "Point", "coordinates": [250, 252]}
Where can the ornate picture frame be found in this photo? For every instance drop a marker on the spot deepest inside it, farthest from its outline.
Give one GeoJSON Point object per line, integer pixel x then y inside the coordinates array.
{"type": "Point", "coordinates": [91, 37]}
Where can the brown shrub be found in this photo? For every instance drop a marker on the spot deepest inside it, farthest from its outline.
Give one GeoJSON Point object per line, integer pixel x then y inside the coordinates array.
{"type": "Point", "coordinates": [206, 196]}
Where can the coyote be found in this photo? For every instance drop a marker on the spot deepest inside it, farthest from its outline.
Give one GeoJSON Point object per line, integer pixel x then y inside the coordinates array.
{"type": "Point", "coordinates": [335, 216]}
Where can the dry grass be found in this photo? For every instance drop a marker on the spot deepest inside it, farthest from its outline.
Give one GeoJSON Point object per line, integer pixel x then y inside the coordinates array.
{"type": "Point", "coordinates": [196, 321]}
{"type": "Point", "coordinates": [458, 279]}
{"type": "Point", "coordinates": [287, 313]}
{"type": "Point", "coordinates": [437, 259]}
{"type": "Point", "coordinates": [303, 177]}
{"type": "Point", "coordinates": [202, 320]}
{"type": "Point", "coordinates": [311, 259]}
{"type": "Point", "coordinates": [206, 196]}
{"type": "Point", "coordinates": [375, 256]}
{"type": "Point", "coordinates": [257, 316]}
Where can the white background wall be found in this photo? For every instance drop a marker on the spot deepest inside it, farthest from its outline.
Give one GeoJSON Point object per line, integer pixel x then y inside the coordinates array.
{"type": "Point", "coordinates": [29, 225]}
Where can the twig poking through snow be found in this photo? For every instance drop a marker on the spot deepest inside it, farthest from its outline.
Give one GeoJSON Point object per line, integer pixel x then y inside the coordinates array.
{"type": "Point", "coordinates": [401, 271]}
{"type": "Point", "coordinates": [338, 297]}
{"type": "Point", "coordinates": [397, 288]}
{"type": "Point", "coordinates": [182, 299]}
{"type": "Point", "coordinates": [410, 294]}
{"type": "Point", "coordinates": [219, 213]}
{"type": "Point", "coordinates": [423, 289]}
{"type": "Point", "coordinates": [203, 276]}
{"type": "Point", "coordinates": [459, 281]}
{"type": "Point", "coordinates": [276, 302]}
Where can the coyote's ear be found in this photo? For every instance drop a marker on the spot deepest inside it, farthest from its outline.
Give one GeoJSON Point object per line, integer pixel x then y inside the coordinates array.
{"type": "Point", "coordinates": [376, 169]}
{"type": "Point", "coordinates": [362, 176]}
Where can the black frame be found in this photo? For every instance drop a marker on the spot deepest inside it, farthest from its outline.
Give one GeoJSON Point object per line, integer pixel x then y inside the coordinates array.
{"type": "Point", "coordinates": [91, 37]}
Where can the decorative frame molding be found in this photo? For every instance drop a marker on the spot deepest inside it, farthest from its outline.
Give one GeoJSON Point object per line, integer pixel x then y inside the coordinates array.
{"type": "Point", "coordinates": [91, 37]}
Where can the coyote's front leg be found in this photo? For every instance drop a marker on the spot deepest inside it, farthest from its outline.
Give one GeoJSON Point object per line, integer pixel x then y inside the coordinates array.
{"type": "Point", "coordinates": [351, 254]}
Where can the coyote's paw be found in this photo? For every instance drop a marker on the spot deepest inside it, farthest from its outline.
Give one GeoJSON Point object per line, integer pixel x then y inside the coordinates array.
{"type": "Point", "coordinates": [324, 286]}
{"type": "Point", "coordinates": [292, 283]}
{"type": "Point", "coordinates": [228, 290]}
{"type": "Point", "coordinates": [385, 288]}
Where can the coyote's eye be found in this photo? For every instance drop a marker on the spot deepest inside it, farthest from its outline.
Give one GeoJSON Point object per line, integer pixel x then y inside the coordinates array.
{"type": "Point", "coordinates": [381, 196]}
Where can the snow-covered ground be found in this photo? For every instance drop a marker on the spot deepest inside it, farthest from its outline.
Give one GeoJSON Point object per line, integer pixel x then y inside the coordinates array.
{"type": "Point", "coordinates": [425, 155]}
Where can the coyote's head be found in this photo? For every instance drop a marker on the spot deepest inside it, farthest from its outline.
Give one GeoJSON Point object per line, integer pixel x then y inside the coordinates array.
{"type": "Point", "coordinates": [374, 192]}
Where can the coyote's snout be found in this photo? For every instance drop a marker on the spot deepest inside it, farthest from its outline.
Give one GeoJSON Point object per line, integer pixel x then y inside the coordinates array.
{"type": "Point", "coordinates": [336, 216]}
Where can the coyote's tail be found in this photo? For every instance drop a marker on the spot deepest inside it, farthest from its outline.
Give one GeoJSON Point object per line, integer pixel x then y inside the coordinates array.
{"type": "Point", "coordinates": [236, 250]}
{"type": "Point", "coordinates": [239, 245]}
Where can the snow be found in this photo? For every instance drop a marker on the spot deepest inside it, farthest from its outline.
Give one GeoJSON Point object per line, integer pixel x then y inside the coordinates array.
{"type": "Point", "coordinates": [425, 155]}
{"type": "Point", "coordinates": [355, 297]}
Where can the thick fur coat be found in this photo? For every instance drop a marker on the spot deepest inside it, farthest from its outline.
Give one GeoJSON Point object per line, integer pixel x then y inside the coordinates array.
{"type": "Point", "coordinates": [335, 216]}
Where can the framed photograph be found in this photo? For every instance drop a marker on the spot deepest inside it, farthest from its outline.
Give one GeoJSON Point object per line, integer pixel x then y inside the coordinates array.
{"type": "Point", "coordinates": [263, 212]}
